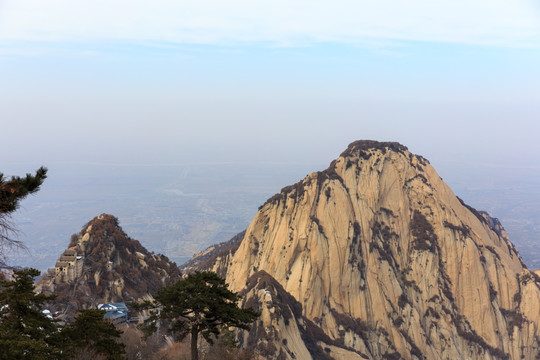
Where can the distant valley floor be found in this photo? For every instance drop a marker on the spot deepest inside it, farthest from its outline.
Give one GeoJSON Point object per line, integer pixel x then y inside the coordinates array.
{"type": "Point", "coordinates": [179, 210]}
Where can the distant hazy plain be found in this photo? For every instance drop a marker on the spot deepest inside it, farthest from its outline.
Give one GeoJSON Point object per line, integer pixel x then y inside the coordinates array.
{"type": "Point", "coordinates": [181, 209]}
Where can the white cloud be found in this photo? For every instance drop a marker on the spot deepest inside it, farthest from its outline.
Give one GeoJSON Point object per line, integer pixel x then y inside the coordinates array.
{"type": "Point", "coordinates": [289, 22]}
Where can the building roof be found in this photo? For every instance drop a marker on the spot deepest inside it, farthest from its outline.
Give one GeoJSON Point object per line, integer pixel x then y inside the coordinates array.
{"type": "Point", "coordinates": [120, 306]}
{"type": "Point", "coordinates": [114, 311]}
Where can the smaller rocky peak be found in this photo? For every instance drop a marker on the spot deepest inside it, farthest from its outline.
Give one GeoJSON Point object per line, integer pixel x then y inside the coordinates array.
{"type": "Point", "coordinates": [102, 239]}
{"type": "Point", "coordinates": [100, 222]}
{"type": "Point", "coordinates": [103, 264]}
{"type": "Point", "coordinates": [214, 258]}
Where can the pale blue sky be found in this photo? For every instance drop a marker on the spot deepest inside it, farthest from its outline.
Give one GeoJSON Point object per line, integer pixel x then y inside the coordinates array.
{"type": "Point", "coordinates": [132, 82]}
{"type": "Point", "coordinates": [267, 81]}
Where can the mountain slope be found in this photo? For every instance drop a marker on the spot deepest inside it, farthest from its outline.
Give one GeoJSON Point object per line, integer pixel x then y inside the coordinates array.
{"type": "Point", "coordinates": [214, 255]}
{"type": "Point", "coordinates": [388, 263]}
{"type": "Point", "coordinates": [114, 268]}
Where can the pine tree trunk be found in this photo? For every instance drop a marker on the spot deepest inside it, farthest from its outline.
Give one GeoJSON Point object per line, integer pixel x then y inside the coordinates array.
{"type": "Point", "coordinates": [194, 338]}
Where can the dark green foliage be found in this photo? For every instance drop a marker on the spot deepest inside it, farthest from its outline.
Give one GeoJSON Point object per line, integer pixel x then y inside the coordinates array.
{"type": "Point", "coordinates": [423, 233]}
{"type": "Point", "coordinates": [414, 349]}
{"type": "Point", "coordinates": [361, 146]}
{"type": "Point", "coordinates": [356, 233]}
{"type": "Point", "coordinates": [199, 304]}
{"type": "Point", "coordinates": [465, 331]}
{"type": "Point", "coordinates": [403, 300]}
{"type": "Point", "coordinates": [311, 335]}
{"type": "Point", "coordinates": [90, 331]}
{"type": "Point", "coordinates": [418, 176]}
{"type": "Point", "coordinates": [226, 347]}
{"type": "Point", "coordinates": [473, 211]}
{"type": "Point", "coordinates": [493, 251]}
{"type": "Point", "coordinates": [356, 257]}
{"type": "Point", "coordinates": [513, 318]}
{"type": "Point", "coordinates": [25, 332]}
{"type": "Point", "coordinates": [385, 252]}
{"type": "Point", "coordinates": [482, 259]}
{"type": "Point", "coordinates": [430, 312]}
{"type": "Point", "coordinates": [465, 230]}
{"type": "Point", "coordinates": [358, 326]}
{"type": "Point", "coordinates": [492, 293]}
{"type": "Point", "coordinates": [392, 356]}
{"type": "Point", "coordinates": [319, 226]}
{"type": "Point", "coordinates": [295, 191]}
{"type": "Point", "coordinates": [409, 283]}
{"type": "Point", "coordinates": [330, 174]}
{"type": "Point", "coordinates": [382, 237]}
{"type": "Point", "coordinates": [15, 189]}
{"type": "Point", "coordinates": [12, 191]}
{"type": "Point", "coordinates": [383, 231]}
{"type": "Point", "coordinates": [328, 193]}
{"type": "Point", "coordinates": [387, 211]}
{"type": "Point", "coordinates": [529, 276]}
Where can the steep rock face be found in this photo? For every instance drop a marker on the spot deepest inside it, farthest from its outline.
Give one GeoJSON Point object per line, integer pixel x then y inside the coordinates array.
{"type": "Point", "coordinates": [389, 263]}
{"type": "Point", "coordinates": [115, 268]}
{"type": "Point", "coordinates": [282, 328]}
{"type": "Point", "coordinates": [215, 258]}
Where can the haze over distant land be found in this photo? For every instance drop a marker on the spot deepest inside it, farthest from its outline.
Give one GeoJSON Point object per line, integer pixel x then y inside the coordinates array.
{"type": "Point", "coordinates": [118, 100]}
{"type": "Point", "coordinates": [179, 210]}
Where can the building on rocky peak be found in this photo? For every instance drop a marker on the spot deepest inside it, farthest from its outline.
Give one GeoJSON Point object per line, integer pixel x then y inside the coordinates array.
{"type": "Point", "coordinates": [69, 266]}
{"type": "Point", "coordinates": [104, 265]}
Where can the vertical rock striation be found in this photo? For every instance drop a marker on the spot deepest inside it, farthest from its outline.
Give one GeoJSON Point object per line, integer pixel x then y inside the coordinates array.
{"type": "Point", "coordinates": [385, 262]}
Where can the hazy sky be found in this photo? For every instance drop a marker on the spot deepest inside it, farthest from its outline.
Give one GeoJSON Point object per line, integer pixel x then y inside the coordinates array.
{"type": "Point", "coordinates": [270, 81]}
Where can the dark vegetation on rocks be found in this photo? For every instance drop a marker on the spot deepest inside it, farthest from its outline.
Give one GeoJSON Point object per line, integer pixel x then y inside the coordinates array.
{"type": "Point", "coordinates": [116, 268]}
{"type": "Point", "coordinates": [287, 308]}
{"type": "Point", "coordinates": [423, 233]}
{"type": "Point", "coordinates": [207, 259]}
{"type": "Point", "coordinates": [474, 211]}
